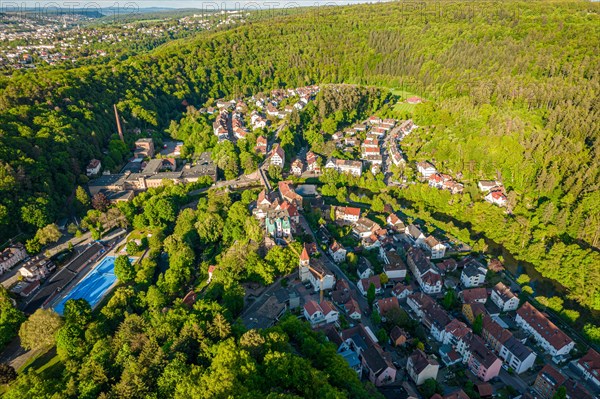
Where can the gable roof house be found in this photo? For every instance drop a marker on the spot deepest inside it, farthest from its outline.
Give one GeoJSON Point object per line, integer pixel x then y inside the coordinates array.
{"type": "Point", "coordinates": [261, 145]}
{"type": "Point", "coordinates": [353, 309]}
{"type": "Point", "coordinates": [424, 271]}
{"type": "Point", "coordinates": [589, 365]}
{"type": "Point", "coordinates": [364, 228]}
{"type": "Point", "coordinates": [363, 268]}
{"type": "Point", "coordinates": [436, 248]}
{"type": "Point", "coordinates": [394, 266]}
{"type": "Point", "coordinates": [337, 252]}
{"type": "Point", "coordinates": [297, 167]}
{"type": "Point", "coordinates": [384, 305]}
{"type": "Point", "coordinates": [347, 213]}
{"type": "Point", "coordinates": [415, 234]}
{"type": "Point", "coordinates": [548, 381]}
{"type": "Point", "coordinates": [473, 295]}
{"type": "Point", "coordinates": [287, 192]}
{"type": "Point", "coordinates": [551, 338]}
{"type": "Point", "coordinates": [365, 283]}
{"type": "Point", "coordinates": [277, 156]}
{"type": "Point", "coordinates": [513, 352]}
{"type": "Point", "coordinates": [473, 275]}
{"type": "Point", "coordinates": [395, 222]}
{"type": "Point", "coordinates": [323, 313]}
{"type": "Point", "coordinates": [420, 367]}
{"type": "Point", "coordinates": [313, 271]}
{"type": "Point", "coordinates": [398, 336]}
{"type": "Point", "coordinates": [504, 298]}
{"type": "Point", "coordinates": [426, 169]}
{"type": "Point", "coordinates": [482, 362]}
{"type": "Point", "coordinates": [402, 291]}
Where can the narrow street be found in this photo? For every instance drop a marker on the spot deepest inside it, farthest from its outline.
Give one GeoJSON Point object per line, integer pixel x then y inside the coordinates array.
{"type": "Point", "coordinates": [339, 273]}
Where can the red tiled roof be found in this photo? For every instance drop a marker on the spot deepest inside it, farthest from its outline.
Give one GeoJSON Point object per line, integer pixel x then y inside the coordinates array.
{"type": "Point", "coordinates": [591, 362]}
{"type": "Point", "coordinates": [548, 330]}
{"type": "Point", "coordinates": [312, 307]}
{"type": "Point", "coordinates": [386, 304]}
{"type": "Point", "coordinates": [555, 376]}
{"type": "Point", "coordinates": [304, 256]}
{"type": "Point", "coordinates": [327, 307]}
{"type": "Point", "coordinates": [473, 294]}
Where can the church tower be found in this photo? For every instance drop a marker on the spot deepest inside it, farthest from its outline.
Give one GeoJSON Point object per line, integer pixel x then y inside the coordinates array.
{"type": "Point", "coordinates": [304, 271]}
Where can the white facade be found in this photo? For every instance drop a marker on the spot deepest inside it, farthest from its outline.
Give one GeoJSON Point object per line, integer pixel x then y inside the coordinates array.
{"type": "Point", "coordinates": [472, 276]}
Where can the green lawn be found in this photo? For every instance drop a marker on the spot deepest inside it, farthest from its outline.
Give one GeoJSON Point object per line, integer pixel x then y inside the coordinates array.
{"type": "Point", "coordinates": [402, 107]}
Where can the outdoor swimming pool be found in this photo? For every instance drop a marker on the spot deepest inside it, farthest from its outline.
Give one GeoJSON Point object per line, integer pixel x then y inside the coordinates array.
{"type": "Point", "coordinates": [93, 286]}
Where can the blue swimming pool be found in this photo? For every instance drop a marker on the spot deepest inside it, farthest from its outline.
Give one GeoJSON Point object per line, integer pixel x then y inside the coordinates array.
{"type": "Point", "coordinates": [93, 286]}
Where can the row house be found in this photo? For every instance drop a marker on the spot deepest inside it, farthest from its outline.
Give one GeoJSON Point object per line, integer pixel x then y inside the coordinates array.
{"type": "Point", "coordinates": [482, 362]}
{"type": "Point", "coordinates": [396, 155]}
{"type": "Point", "coordinates": [426, 169]}
{"type": "Point", "coordinates": [278, 224]}
{"type": "Point", "coordinates": [512, 351]}
{"type": "Point", "coordinates": [11, 256]}
{"type": "Point", "coordinates": [345, 166]}
{"type": "Point", "coordinates": [418, 302]}
{"type": "Point", "coordinates": [237, 124]}
{"type": "Point", "coordinates": [421, 367]}
{"type": "Point", "coordinates": [313, 271]}
{"type": "Point", "coordinates": [374, 120]}
{"type": "Point", "coordinates": [319, 314]}
{"type": "Point", "coordinates": [547, 334]}
{"type": "Point", "coordinates": [504, 298]}
{"type": "Point", "coordinates": [436, 319]}
{"type": "Point", "coordinates": [548, 381]}
{"type": "Point", "coordinates": [360, 127]}
{"type": "Point", "coordinates": [424, 271]}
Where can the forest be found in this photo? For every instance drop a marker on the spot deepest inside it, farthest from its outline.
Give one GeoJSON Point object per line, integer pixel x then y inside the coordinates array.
{"type": "Point", "coordinates": [512, 93]}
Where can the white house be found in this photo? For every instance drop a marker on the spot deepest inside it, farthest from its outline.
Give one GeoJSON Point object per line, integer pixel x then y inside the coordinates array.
{"type": "Point", "coordinates": [436, 248]}
{"type": "Point", "coordinates": [552, 339]}
{"type": "Point", "coordinates": [504, 298]}
{"type": "Point", "coordinates": [313, 271]}
{"type": "Point", "coordinates": [11, 256]}
{"type": "Point", "coordinates": [93, 167]}
{"type": "Point", "coordinates": [277, 156]}
{"type": "Point", "coordinates": [365, 283]}
{"type": "Point", "coordinates": [297, 167]}
{"type": "Point", "coordinates": [589, 365]}
{"type": "Point", "coordinates": [496, 197]}
{"type": "Point", "coordinates": [337, 252]}
{"type": "Point", "coordinates": [394, 266]}
{"type": "Point", "coordinates": [415, 234]}
{"type": "Point", "coordinates": [363, 269]}
{"type": "Point", "coordinates": [426, 169]}
{"type": "Point", "coordinates": [347, 213]}
{"type": "Point", "coordinates": [353, 309]}
{"type": "Point", "coordinates": [421, 368]}
{"type": "Point", "coordinates": [473, 276]}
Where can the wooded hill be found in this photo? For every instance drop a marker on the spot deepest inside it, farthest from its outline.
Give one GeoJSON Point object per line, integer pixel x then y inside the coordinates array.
{"type": "Point", "coordinates": [513, 90]}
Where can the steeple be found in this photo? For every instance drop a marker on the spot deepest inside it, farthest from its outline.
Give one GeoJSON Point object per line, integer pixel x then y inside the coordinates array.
{"type": "Point", "coordinates": [304, 258]}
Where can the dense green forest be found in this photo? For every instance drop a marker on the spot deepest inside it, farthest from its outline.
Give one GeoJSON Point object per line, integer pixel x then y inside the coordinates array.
{"type": "Point", "coordinates": [513, 93]}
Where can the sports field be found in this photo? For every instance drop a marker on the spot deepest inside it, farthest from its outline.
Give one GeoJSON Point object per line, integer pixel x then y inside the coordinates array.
{"type": "Point", "coordinates": [93, 286]}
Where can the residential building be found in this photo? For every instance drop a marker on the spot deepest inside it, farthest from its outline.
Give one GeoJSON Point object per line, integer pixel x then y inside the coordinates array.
{"type": "Point", "coordinates": [344, 166]}
{"type": "Point", "coordinates": [395, 222]}
{"type": "Point", "coordinates": [364, 228]}
{"type": "Point", "coordinates": [401, 291]}
{"type": "Point", "coordinates": [394, 266]}
{"type": "Point", "coordinates": [547, 335]}
{"type": "Point", "coordinates": [11, 256]}
{"type": "Point", "coordinates": [365, 283]}
{"type": "Point", "coordinates": [415, 234]}
{"type": "Point", "coordinates": [261, 145]}
{"type": "Point", "coordinates": [93, 168]}
{"type": "Point", "coordinates": [297, 167]}
{"type": "Point", "coordinates": [504, 298]}
{"type": "Point", "coordinates": [472, 310]}
{"type": "Point", "coordinates": [318, 314]}
{"type": "Point", "coordinates": [420, 367]}
{"type": "Point", "coordinates": [482, 362]}
{"type": "Point", "coordinates": [288, 193]}
{"type": "Point", "coordinates": [353, 309]}
{"type": "Point", "coordinates": [384, 305]}
{"type": "Point", "coordinates": [37, 268]}
{"type": "Point", "coordinates": [424, 271]}
{"type": "Point", "coordinates": [277, 156]}
{"type": "Point", "coordinates": [337, 252]}
{"type": "Point", "coordinates": [418, 302]}
{"type": "Point", "coordinates": [589, 365]}
{"type": "Point", "coordinates": [426, 169]}
{"type": "Point", "coordinates": [548, 381]}
{"type": "Point", "coordinates": [488, 185]}
{"type": "Point", "coordinates": [473, 295]}
{"type": "Point", "coordinates": [513, 352]}
{"type": "Point", "coordinates": [347, 213]}
{"type": "Point", "coordinates": [398, 336]}
{"type": "Point", "coordinates": [312, 162]}
{"type": "Point", "coordinates": [473, 275]}
{"type": "Point", "coordinates": [363, 268]}
{"type": "Point", "coordinates": [496, 197]}
{"type": "Point", "coordinates": [436, 248]}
